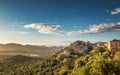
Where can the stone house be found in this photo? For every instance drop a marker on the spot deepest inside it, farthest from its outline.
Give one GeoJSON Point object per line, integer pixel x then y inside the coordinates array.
{"type": "Point", "coordinates": [113, 45]}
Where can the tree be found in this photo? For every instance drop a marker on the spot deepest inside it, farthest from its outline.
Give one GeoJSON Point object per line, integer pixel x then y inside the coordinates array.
{"type": "Point", "coordinates": [117, 55]}
{"type": "Point", "coordinates": [99, 50]}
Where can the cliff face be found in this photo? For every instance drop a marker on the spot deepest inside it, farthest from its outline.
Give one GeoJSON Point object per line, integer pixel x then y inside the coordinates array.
{"type": "Point", "coordinates": [76, 47]}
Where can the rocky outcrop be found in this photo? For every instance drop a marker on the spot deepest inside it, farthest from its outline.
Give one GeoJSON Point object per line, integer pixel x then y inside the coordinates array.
{"type": "Point", "coordinates": [76, 47]}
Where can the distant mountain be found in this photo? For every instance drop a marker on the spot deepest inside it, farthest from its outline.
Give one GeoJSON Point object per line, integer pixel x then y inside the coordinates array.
{"type": "Point", "coordinates": [15, 46]}
{"type": "Point", "coordinates": [12, 49]}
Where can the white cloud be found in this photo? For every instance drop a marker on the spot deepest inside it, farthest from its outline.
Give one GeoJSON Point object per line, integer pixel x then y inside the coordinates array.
{"type": "Point", "coordinates": [73, 33]}
{"type": "Point", "coordinates": [101, 28]}
{"type": "Point", "coordinates": [116, 11]}
{"type": "Point", "coordinates": [44, 28]}
{"type": "Point", "coordinates": [55, 29]}
{"type": "Point", "coordinates": [21, 32]}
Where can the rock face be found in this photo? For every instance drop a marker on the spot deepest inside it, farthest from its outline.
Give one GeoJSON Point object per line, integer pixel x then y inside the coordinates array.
{"type": "Point", "coordinates": [65, 53]}
{"type": "Point", "coordinates": [76, 47]}
{"type": "Point", "coordinates": [81, 46]}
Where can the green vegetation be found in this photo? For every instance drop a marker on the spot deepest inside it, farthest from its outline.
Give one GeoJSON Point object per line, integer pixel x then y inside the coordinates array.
{"type": "Point", "coordinates": [96, 62]}
{"type": "Point", "coordinates": [117, 55]}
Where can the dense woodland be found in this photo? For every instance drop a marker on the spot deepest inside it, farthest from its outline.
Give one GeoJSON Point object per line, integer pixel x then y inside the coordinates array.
{"type": "Point", "coordinates": [96, 62]}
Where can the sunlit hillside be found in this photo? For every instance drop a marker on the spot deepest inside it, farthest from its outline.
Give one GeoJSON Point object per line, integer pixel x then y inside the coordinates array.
{"type": "Point", "coordinates": [11, 49]}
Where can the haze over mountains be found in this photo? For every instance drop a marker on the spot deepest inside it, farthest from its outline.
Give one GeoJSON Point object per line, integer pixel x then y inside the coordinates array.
{"type": "Point", "coordinates": [12, 49]}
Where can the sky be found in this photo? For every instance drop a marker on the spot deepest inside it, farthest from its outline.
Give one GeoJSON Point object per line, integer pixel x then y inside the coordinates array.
{"type": "Point", "coordinates": [58, 22]}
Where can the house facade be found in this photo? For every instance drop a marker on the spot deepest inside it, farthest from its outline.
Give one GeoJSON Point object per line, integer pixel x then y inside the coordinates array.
{"type": "Point", "coordinates": [113, 45]}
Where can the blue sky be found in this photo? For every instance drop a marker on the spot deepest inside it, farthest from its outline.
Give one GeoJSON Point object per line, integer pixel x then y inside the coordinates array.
{"type": "Point", "coordinates": [58, 22]}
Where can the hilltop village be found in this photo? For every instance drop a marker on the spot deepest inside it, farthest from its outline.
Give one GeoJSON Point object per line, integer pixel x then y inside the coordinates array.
{"type": "Point", "coordinates": [80, 46]}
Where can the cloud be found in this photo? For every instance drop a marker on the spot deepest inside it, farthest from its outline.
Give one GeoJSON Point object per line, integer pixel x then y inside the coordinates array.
{"type": "Point", "coordinates": [44, 28]}
{"type": "Point", "coordinates": [101, 28]}
{"type": "Point", "coordinates": [116, 11]}
{"type": "Point", "coordinates": [21, 32]}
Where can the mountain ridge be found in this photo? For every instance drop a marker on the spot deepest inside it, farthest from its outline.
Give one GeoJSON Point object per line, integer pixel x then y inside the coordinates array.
{"type": "Point", "coordinates": [27, 50]}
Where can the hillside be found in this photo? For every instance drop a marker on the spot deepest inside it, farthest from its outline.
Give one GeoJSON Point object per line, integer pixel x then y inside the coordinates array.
{"type": "Point", "coordinates": [11, 49]}
{"type": "Point", "coordinates": [20, 59]}
{"type": "Point", "coordinates": [81, 60]}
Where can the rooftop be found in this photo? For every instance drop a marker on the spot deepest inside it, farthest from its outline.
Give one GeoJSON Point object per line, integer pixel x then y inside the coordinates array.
{"type": "Point", "coordinates": [114, 40]}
